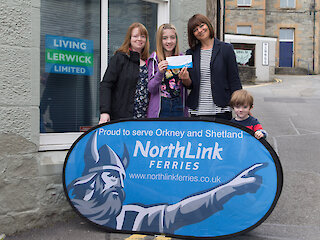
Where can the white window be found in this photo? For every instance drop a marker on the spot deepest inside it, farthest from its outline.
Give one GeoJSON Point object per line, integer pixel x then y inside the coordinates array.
{"type": "Point", "coordinates": [244, 29]}
{"type": "Point", "coordinates": [244, 2]}
{"type": "Point", "coordinates": [69, 96]}
{"type": "Point", "coordinates": [287, 3]}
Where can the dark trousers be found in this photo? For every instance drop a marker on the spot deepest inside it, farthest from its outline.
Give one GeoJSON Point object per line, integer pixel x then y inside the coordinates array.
{"type": "Point", "coordinates": [225, 115]}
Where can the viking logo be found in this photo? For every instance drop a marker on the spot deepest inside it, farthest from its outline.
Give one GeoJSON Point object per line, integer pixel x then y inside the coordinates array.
{"type": "Point", "coordinates": [99, 193]}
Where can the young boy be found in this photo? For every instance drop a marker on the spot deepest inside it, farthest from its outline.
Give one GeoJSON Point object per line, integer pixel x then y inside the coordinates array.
{"type": "Point", "coordinates": [242, 102]}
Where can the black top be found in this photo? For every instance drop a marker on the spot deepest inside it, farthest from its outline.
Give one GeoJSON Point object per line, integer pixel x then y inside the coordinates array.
{"type": "Point", "coordinates": [117, 89]}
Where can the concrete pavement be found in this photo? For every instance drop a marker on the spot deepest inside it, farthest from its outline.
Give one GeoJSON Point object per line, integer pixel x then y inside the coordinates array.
{"type": "Point", "coordinates": [289, 110]}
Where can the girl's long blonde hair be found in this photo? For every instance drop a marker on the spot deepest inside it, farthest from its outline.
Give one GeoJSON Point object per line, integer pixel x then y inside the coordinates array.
{"type": "Point", "coordinates": [125, 47]}
{"type": "Point", "coordinates": [160, 49]}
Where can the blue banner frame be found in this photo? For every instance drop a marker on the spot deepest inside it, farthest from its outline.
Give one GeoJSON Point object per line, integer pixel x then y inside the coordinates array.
{"type": "Point", "coordinates": [186, 177]}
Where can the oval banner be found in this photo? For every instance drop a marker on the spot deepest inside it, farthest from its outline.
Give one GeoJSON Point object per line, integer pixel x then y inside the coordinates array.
{"type": "Point", "coordinates": [182, 178]}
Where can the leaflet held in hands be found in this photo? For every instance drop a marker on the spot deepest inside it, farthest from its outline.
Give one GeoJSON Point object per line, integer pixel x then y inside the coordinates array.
{"type": "Point", "coordinates": [179, 62]}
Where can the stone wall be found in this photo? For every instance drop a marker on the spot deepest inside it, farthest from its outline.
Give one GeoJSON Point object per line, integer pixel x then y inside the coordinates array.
{"type": "Point", "coordinates": [247, 74]}
{"type": "Point", "coordinates": [267, 18]}
{"type": "Point", "coordinates": [302, 21]}
{"type": "Point", "coordinates": [253, 16]}
{"type": "Point", "coordinates": [27, 198]}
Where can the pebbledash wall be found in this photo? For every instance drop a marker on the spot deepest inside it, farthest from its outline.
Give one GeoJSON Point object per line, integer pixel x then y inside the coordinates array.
{"type": "Point", "coordinates": [31, 191]}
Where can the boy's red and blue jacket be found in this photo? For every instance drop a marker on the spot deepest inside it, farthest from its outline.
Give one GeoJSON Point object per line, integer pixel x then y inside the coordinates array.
{"type": "Point", "coordinates": [251, 123]}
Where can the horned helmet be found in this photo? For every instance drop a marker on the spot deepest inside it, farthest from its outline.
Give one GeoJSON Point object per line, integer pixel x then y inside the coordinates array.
{"type": "Point", "coordinates": [104, 159]}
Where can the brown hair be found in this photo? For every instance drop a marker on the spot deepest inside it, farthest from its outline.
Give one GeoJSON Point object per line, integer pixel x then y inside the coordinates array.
{"type": "Point", "coordinates": [160, 50]}
{"type": "Point", "coordinates": [241, 98]}
{"type": "Point", "coordinates": [195, 21]}
{"type": "Point", "coordinates": [125, 47]}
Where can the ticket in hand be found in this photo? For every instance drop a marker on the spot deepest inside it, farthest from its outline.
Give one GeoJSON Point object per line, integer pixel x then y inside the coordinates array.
{"type": "Point", "coordinates": [179, 62]}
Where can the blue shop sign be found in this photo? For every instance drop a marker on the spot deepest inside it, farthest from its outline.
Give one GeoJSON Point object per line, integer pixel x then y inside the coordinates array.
{"type": "Point", "coordinates": [68, 55]}
{"type": "Point", "coordinates": [182, 178]}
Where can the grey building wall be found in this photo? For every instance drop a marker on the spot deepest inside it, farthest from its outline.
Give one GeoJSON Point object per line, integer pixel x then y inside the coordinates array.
{"type": "Point", "coordinates": [19, 96]}
{"type": "Point", "coordinates": [180, 12]}
{"type": "Point", "coordinates": [27, 198]}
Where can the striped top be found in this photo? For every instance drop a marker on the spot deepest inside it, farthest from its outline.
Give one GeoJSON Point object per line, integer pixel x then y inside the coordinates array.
{"type": "Point", "coordinates": [206, 104]}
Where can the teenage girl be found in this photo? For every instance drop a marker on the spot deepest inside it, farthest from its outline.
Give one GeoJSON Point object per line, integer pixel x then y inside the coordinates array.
{"type": "Point", "coordinates": [167, 91]}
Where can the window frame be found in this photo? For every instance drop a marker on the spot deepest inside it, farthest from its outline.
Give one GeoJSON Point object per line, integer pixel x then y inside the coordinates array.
{"type": "Point", "coordinates": [163, 17]}
{"type": "Point", "coordinates": [63, 141]}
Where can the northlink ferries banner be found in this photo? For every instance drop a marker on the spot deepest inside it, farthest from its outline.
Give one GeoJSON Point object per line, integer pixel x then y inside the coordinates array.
{"type": "Point", "coordinates": [189, 178]}
{"type": "Point", "coordinates": [68, 55]}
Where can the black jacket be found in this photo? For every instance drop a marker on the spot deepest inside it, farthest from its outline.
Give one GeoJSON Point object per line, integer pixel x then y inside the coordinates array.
{"type": "Point", "coordinates": [117, 89]}
{"type": "Point", "coordinates": [224, 74]}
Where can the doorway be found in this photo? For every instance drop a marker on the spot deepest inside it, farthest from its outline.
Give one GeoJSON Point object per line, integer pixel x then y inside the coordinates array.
{"type": "Point", "coordinates": [286, 44]}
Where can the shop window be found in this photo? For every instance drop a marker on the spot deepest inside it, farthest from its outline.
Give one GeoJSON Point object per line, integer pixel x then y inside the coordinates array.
{"type": "Point", "coordinates": [70, 65]}
{"type": "Point", "coordinates": [245, 53]}
{"type": "Point", "coordinates": [118, 15]}
{"type": "Point", "coordinates": [74, 52]}
{"type": "Point", "coordinates": [120, 18]}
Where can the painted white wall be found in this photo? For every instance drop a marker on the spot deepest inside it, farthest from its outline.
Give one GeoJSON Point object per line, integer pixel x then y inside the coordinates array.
{"type": "Point", "coordinates": [263, 72]}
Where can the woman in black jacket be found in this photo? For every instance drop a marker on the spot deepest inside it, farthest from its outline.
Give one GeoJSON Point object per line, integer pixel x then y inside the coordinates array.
{"type": "Point", "coordinates": [214, 76]}
{"type": "Point", "coordinates": [124, 88]}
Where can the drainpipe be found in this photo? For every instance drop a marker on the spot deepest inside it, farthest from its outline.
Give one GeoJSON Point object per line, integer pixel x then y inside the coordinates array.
{"type": "Point", "coordinates": [223, 19]}
{"type": "Point", "coordinates": [219, 20]}
{"type": "Point", "coordinates": [314, 33]}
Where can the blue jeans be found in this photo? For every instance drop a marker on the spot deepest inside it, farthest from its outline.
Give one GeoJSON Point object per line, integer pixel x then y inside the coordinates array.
{"type": "Point", "coordinates": [171, 107]}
